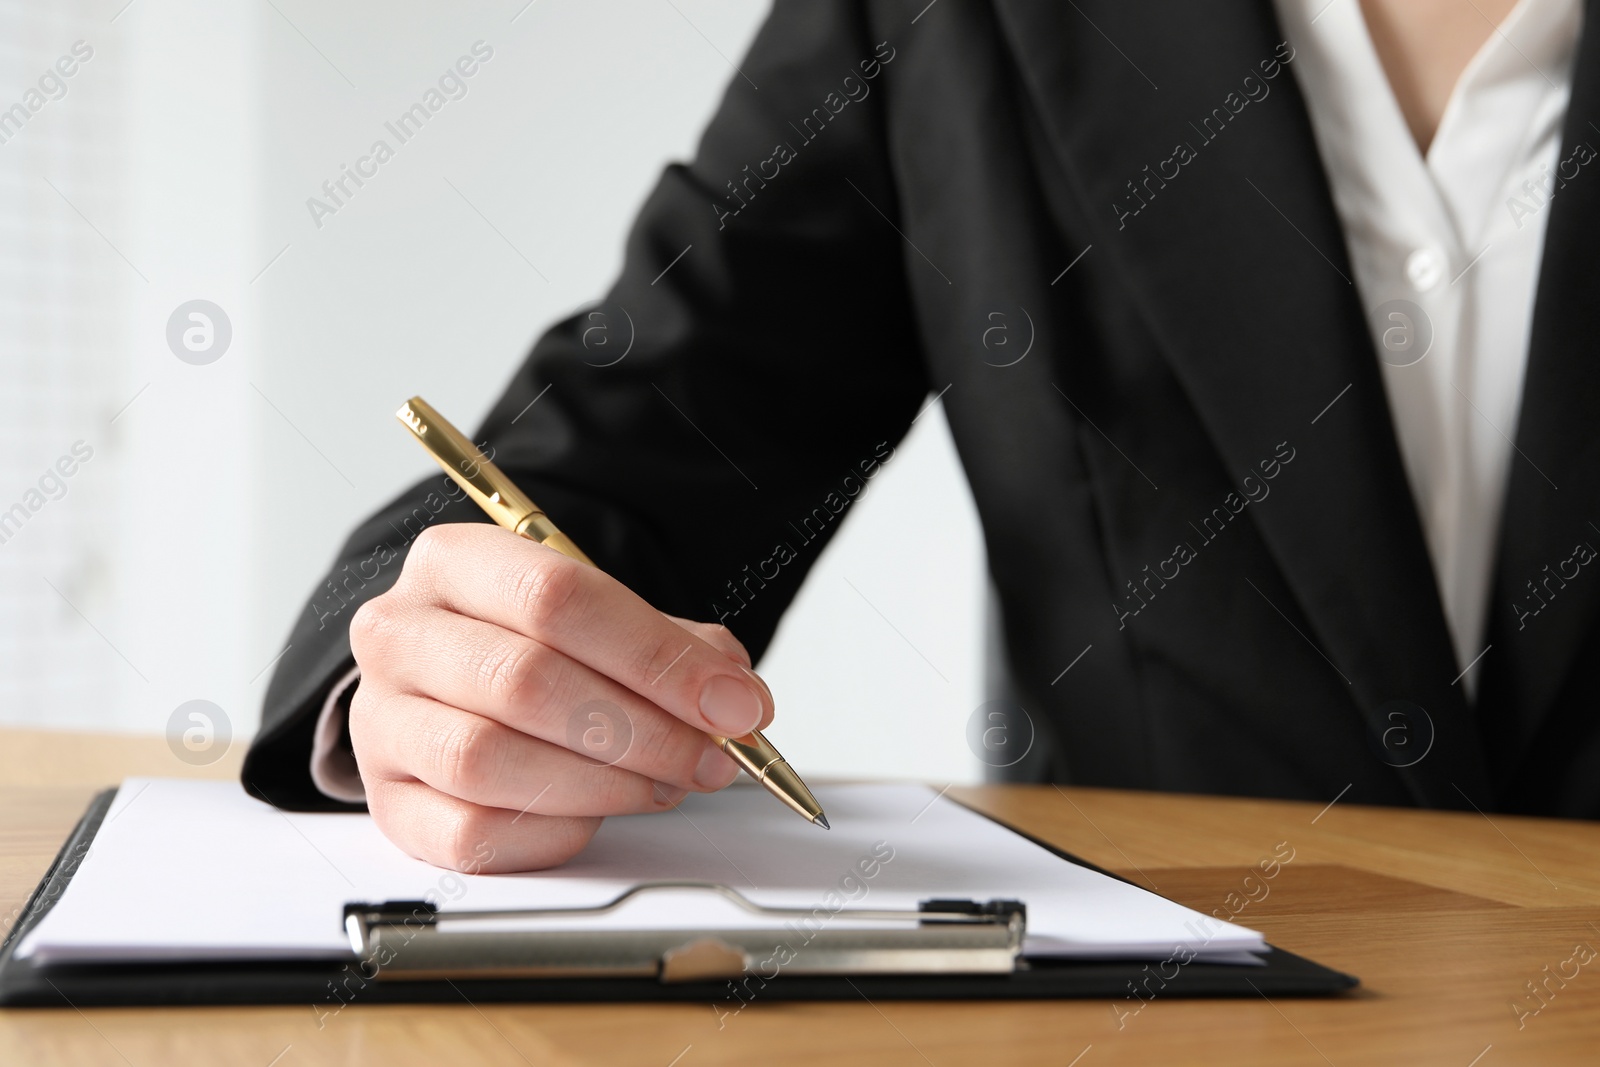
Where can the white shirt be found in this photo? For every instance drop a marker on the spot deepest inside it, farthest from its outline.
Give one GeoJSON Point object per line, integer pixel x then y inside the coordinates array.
{"type": "Point", "coordinates": [1456, 236]}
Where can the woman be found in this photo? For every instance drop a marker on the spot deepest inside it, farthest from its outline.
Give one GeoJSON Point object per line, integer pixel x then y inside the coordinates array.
{"type": "Point", "coordinates": [1261, 331]}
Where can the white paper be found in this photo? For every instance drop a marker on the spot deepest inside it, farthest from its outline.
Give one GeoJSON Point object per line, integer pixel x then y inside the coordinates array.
{"type": "Point", "coordinates": [199, 870]}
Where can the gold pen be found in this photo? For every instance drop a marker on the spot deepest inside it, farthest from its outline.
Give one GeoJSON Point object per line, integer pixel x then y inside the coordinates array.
{"type": "Point", "coordinates": [512, 509]}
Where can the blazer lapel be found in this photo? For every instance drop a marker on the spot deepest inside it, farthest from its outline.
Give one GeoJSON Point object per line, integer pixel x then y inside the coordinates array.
{"type": "Point", "coordinates": [1241, 262]}
{"type": "Point", "coordinates": [1547, 583]}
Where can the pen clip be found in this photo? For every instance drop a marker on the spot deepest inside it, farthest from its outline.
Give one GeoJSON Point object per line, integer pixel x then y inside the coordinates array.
{"type": "Point", "coordinates": [467, 466]}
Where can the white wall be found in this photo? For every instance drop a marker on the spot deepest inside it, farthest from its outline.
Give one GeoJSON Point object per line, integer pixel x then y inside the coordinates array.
{"type": "Point", "coordinates": [130, 194]}
{"type": "Point", "coordinates": [503, 214]}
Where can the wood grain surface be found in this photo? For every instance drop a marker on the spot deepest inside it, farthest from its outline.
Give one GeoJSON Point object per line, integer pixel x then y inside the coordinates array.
{"type": "Point", "coordinates": [1450, 920]}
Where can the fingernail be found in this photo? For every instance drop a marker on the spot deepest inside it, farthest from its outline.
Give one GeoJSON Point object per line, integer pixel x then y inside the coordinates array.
{"type": "Point", "coordinates": [667, 796]}
{"type": "Point", "coordinates": [732, 706]}
{"type": "Point", "coordinates": [715, 769]}
{"type": "Point", "coordinates": [772, 703]}
{"type": "Point", "coordinates": [762, 682]}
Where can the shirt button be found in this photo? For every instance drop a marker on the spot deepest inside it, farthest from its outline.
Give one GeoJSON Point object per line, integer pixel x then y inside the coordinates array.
{"type": "Point", "coordinates": [1424, 268]}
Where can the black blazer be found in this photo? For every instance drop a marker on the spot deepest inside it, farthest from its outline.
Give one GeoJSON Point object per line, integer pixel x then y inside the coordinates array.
{"type": "Point", "coordinates": [1158, 377]}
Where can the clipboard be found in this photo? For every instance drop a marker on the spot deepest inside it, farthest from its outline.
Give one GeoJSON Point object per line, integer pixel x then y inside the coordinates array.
{"type": "Point", "coordinates": [944, 950]}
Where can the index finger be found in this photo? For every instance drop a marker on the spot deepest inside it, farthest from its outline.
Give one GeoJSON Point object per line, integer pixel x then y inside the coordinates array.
{"type": "Point", "coordinates": [492, 574]}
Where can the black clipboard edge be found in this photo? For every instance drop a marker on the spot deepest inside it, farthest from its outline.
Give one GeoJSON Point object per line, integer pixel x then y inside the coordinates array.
{"type": "Point", "coordinates": [328, 987]}
{"type": "Point", "coordinates": [58, 874]}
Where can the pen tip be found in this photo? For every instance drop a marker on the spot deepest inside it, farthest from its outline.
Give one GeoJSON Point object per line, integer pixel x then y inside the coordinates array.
{"type": "Point", "coordinates": [823, 819]}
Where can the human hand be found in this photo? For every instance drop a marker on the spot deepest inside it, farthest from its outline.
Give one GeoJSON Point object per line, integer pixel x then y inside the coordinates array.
{"type": "Point", "coordinates": [512, 697]}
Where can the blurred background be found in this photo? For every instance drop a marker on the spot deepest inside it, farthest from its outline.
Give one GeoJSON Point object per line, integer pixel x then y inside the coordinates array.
{"type": "Point", "coordinates": [176, 474]}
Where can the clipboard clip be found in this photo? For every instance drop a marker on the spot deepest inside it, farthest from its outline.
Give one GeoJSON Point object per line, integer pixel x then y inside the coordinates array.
{"type": "Point", "coordinates": [413, 939]}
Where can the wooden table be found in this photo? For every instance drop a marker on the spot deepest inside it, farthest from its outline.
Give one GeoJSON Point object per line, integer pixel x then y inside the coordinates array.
{"type": "Point", "coordinates": [1446, 918]}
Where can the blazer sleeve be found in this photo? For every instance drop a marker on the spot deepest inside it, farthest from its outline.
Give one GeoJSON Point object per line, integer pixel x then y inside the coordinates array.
{"type": "Point", "coordinates": [700, 431]}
